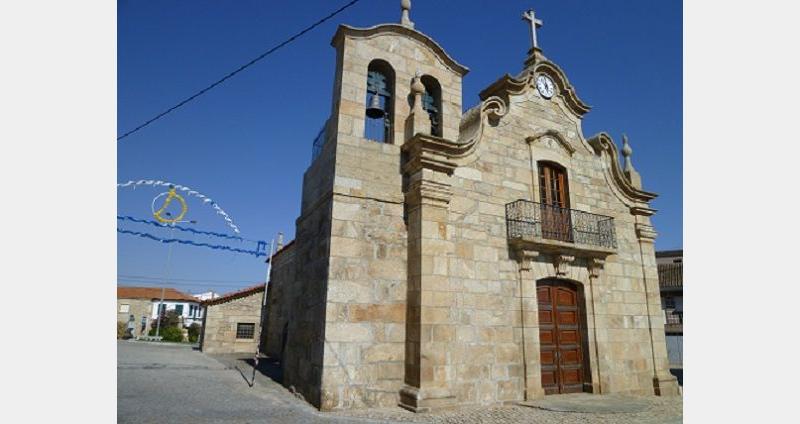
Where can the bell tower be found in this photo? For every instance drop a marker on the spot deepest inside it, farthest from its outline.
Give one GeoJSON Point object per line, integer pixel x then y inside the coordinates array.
{"type": "Point", "coordinates": [361, 226]}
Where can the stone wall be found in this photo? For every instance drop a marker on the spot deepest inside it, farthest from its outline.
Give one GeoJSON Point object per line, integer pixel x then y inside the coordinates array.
{"type": "Point", "coordinates": [279, 291]}
{"type": "Point", "coordinates": [220, 322]}
{"type": "Point", "coordinates": [138, 308]}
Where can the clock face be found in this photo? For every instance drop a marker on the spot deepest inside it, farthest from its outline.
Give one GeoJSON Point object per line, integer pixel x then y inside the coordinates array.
{"type": "Point", "coordinates": [545, 86]}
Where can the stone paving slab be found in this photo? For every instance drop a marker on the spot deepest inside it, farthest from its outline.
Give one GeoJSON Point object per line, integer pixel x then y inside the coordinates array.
{"type": "Point", "coordinates": [590, 404]}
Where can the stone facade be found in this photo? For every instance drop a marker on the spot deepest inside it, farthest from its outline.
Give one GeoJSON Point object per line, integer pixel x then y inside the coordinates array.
{"type": "Point", "coordinates": [223, 315]}
{"type": "Point", "coordinates": [403, 285]}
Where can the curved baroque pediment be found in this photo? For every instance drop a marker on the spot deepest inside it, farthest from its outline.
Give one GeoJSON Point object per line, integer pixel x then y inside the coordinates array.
{"type": "Point", "coordinates": [605, 147]}
{"type": "Point", "coordinates": [508, 85]}
{"type": "Point", "coordinates": [438, 51]}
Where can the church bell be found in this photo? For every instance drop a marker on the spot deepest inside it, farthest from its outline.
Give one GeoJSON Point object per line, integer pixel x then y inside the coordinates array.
{"type": "Point", "coordinates": [375, 110]}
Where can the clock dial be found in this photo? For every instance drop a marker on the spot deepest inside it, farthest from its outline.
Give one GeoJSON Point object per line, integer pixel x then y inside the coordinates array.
{"type": "Point", "coordinates": [545, 86]}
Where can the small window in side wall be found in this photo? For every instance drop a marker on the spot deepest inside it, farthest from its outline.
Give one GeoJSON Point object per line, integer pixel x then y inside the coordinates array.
{"type": "Point", "coordinates": [379, 110]}
{"type": "Point", "coordinates": [245, 330]}
{"type": "Point", "coordinates": [179, 309]}
{"type": "Point", "coordinates": [124, 308]}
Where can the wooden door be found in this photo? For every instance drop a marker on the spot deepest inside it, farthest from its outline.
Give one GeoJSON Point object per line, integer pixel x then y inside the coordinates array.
{"type": "Point", "coordinates": [560, 336]}
{"type": "Point", "coordinates": [554, 197]}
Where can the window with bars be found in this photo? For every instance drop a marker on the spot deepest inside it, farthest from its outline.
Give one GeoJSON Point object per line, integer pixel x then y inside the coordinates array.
{"type": "Point", "coordinates": [245, 330]}
{"type": "Point", "coordinates": [123, 308]}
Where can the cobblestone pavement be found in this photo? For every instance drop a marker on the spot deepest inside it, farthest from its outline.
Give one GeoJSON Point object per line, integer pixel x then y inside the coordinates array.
{"type": "Point", "coordinates": [159, 383]}
{"type": "Point", "coordinates": [659, 411]}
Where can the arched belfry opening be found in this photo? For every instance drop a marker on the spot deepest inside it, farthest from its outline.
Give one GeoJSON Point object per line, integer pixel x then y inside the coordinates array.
{"type": "Point", "coordinates": [563, 336]}
{"type": "Point", "coordinates": [379, 111]}
{"type": "Point", "coordinates": [432, 103]}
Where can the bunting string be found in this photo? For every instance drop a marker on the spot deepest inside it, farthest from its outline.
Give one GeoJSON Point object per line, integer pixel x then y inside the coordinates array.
{"type": "Point", "coordinates": [187, 192]}
{"type": "Point", "coordinates": [261, 247]}
{"type": "Point", "coordinates": [187, 229]}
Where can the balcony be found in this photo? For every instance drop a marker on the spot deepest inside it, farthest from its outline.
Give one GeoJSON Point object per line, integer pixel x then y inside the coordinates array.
{"type": "Point", "coordinates": [670, 276]}
{"type": "Point", "coordinates": [552, 229]}
{"type": "Point", "coordinates": [674, 321]}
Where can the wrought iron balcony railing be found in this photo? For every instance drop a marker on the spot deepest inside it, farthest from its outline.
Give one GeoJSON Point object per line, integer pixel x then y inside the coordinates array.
{"type": "Point", "coordinates": [674, 317]}
{"type": "Point", "coordinates": [670, 276]}
{"type": "Point", "coordinates": [526, 219]}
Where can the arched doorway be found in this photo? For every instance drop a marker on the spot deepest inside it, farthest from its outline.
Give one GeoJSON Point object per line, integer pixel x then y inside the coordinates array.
{"type": "Point", "coordinates": [562, 336]}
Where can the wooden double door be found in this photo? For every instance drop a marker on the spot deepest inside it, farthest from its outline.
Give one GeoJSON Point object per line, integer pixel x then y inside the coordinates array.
{"type": "Point", "coordinates": [560, 337]}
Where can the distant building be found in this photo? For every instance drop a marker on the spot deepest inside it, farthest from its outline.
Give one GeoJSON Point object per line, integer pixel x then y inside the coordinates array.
{"type": "Point", "coordinates": [232, 322]}
{"type": "Point", "coordinates": [209, 295]}
{"type": "Point", "coordinates": [140, 305]}
{"type": "Point", "coordinates": [670, 280]}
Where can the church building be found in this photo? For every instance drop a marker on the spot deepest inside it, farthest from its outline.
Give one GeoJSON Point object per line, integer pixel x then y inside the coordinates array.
{"type": "Point", "coordinates": [446, 258]}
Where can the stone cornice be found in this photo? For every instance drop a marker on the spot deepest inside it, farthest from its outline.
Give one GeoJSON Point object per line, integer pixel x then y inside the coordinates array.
{"type": "Point", "coordinates": [504, 86]}
{"type": "Point", "coordinates": [348, 31]}
{"type": "Point", "coordinates": [602, 143]}
{"type": "Point", "coordinates": [646, 233]}
{"type": "Point", "coordinates": [427, 192]}
{"type": "Point", "coordinates": [427, 151]}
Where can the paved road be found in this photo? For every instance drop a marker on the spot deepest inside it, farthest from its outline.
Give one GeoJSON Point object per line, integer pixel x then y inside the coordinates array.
{"type": "Point", "coordinates": [161, 383]}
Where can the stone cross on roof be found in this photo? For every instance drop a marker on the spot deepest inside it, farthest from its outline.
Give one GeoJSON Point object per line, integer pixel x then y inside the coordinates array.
{"type": "Point", "coordinates": [530, 16]}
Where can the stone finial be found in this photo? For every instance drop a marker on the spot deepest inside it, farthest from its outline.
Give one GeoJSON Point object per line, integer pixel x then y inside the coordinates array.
{"type": "Point", "coordinates": [418, 120]}
{"type": "Point", "coordinates": [405, 20]}
{"type": "Point", "coordinates": [626, 152]}
{"type": "Point", "coordinates": [633, 176]}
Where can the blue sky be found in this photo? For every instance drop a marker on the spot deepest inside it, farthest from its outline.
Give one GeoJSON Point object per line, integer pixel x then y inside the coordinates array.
{"type": "Point", "coordinates": [247, 143]}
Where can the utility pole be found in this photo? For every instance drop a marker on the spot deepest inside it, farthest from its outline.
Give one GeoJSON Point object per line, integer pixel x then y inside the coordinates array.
{"type": "Point", "coordinates": [166, 276]}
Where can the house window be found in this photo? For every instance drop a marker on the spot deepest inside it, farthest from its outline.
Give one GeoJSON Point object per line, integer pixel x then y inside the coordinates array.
{"type": "Point", "coordinates": [124, 308]}
{"type": "Point", "coordinates": [179, 309]}
{"type": "Point", "coordinates": [245, 330]}
{"type": "Point", "coordinates": [669, 303]}
{"type": "Point", "coordinates": [378, 125]}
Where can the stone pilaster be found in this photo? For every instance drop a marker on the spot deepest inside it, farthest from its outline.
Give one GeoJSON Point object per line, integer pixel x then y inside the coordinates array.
{"type": "Point", "coordinates": [529, 309]}
{"type": "Point", "coordinates": [429, 373]}
{"type": "Point", "coordinates": [595, 268]}
{"type": "Point", "coordinates": [664, 383]}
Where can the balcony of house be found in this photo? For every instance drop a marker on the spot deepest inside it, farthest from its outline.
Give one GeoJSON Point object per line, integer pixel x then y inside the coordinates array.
{"type": "Point", "coordinates": [552, 229]}
{"type": "Point", "coordinates": [674, 321]}
{"type": "Point", "coordinates": [670, 277]}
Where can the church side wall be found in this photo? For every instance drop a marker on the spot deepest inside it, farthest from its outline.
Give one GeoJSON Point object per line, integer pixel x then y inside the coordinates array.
{"type": "Point", "coordinates": [303, 297]}
{"type": "Point", "coordinates": [281, 288]}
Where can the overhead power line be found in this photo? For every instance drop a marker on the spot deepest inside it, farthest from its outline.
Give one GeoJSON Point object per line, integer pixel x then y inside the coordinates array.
{"type": "Point", "coordinates": [139, 283]}
{"type": "Point", "coordinates": [239, 69]}
{"type": "Point", "coordinates": [171, 279]}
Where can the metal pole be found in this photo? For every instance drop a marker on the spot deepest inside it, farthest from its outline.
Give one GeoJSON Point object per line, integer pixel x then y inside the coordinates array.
{"type": "Point", "coordinates": [166, 279]}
